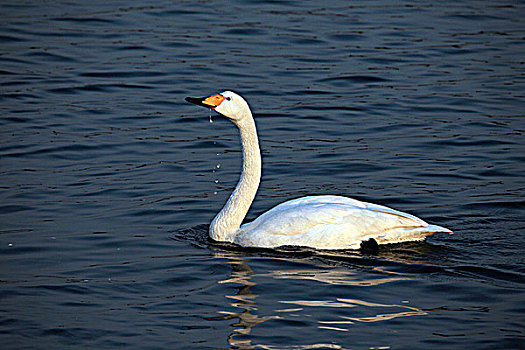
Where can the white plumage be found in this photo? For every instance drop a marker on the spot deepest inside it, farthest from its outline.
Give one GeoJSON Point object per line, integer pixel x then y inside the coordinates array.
{"type": "Point", "coordinates": [323, 222]}
{"type": "Point", "coordinates": [331, 222]}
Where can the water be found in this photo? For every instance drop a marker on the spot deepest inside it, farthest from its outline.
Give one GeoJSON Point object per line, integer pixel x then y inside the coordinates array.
{"type": "Point", "coordinates": [108, 176]}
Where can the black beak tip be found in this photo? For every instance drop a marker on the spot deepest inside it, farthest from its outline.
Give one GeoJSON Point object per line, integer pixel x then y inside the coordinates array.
{"type": "Point", "coordinates": [195, 100]}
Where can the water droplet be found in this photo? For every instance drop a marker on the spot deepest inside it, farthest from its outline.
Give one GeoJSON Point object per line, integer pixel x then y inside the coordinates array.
{"type": "Point", "coordinates": [215, 192]}
{"type": "Point", "coordinates": [211, 120]}
{"type": "Point", "coordinates": [218, 154]}
{"type": "Point", "coordinates": [216, 181]}
{"type": "Point", "coordinates": [10, 245]}
{"type": "Point", "coordinates": [218, 166]}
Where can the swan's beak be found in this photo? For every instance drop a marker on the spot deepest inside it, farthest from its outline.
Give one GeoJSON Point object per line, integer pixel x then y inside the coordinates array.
{"type": "Point", "coordinates": [208, 102]}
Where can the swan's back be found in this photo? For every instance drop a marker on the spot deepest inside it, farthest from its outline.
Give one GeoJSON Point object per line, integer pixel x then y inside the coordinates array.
{"type": "Point", "coordinates": [332, 222]}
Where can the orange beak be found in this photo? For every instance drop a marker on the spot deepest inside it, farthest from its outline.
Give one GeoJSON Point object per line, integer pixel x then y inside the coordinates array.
{"type": "Point", "coordinates": [210, 102]}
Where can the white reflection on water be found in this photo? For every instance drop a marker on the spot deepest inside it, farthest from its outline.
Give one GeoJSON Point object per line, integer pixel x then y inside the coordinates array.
{"type": "Point", "coordinates": [337, 276]}
{"type": "Point", "coordinates": [345, 277]}
{"type": "Point", "coordinates": [350, 303]}
{"type": "Point", "coordinates": [302, 347]}
{"type": "Point", "coordinates": [382, 317]}
{"type": "Point", "coordinates": [245, 300]}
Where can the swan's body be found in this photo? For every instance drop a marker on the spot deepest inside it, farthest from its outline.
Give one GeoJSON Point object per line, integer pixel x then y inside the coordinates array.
{"type": "Point", "coordinates": [324, 222]}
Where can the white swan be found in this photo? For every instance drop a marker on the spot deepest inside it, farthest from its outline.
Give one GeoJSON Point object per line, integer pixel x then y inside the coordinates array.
{"type": "Point", "coordinates": [323, 222]}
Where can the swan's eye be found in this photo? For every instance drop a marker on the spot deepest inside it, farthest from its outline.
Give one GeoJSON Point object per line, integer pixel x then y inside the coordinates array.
{"type": "Point", "coordinates": [228, 98]}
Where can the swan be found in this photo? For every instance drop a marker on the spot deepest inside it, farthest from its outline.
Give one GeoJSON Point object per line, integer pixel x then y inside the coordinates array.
{"type": "Point", "coordinates": [321, 222]}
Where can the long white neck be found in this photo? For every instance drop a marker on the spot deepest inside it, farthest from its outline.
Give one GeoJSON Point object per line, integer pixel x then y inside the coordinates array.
{"type": "Point", "coordinates": [229, 219]}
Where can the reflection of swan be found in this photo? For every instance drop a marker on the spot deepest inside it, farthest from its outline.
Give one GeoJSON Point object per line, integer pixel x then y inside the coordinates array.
{"type": "Point", "coordinates": [335, 313]}
{"type": "Point", "coordinates": [350, 303]}
{"type": "Point", "coordinates": [337, 276]}
{"type": "Point", "coordinates": [326, 222]}
{"type": "Point", "coordinates": [244, 299]}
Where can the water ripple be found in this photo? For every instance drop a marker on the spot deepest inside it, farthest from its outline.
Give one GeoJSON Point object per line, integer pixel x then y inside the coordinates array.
{"type": "Point", "coordinates": [109, 180]}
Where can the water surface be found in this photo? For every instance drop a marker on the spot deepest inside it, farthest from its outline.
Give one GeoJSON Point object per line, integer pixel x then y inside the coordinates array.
{"type": "Point", "coordinates": [109, 179]}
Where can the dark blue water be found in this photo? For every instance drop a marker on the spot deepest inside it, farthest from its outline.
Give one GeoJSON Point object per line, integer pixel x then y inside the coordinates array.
{"type": "Point", "coordinates": [108, 179]}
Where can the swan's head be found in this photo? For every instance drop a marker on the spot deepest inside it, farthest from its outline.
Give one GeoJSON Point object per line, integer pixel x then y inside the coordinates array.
{"type": "Point", "coordinates": [227, 103]}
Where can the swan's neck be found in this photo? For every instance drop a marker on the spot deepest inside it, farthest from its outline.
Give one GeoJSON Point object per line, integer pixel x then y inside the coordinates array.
{"type": "Point", "coordinates": [229, 219]}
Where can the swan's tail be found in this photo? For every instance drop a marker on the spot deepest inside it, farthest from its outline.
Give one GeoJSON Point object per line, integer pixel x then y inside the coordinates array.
{"type": "Point", "coordinates": [407, 234]}
{"type": "Point", "coordinates": [435, 229]}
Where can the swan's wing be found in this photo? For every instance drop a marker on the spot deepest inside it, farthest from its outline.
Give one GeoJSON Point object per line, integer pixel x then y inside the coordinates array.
{"type": "Point", "coordinates": [330, 222]}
